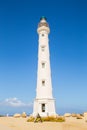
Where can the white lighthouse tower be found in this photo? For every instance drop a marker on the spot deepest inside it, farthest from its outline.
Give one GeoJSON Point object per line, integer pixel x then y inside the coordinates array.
{"type": "Point", "coordinates": [44, 103]}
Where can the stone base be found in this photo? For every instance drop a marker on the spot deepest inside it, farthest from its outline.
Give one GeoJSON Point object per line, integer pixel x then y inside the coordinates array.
{"type": "Point", "coordinates": [49, 109]}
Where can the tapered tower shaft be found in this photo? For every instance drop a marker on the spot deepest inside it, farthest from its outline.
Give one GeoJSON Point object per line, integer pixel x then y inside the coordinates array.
{"type": "Point", "coordinates": [44, 103]}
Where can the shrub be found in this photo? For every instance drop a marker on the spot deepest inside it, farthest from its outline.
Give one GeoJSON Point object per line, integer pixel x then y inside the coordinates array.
{"type": "Point", "coordinates": [30, 119]}
{"type": "Point", "coordinates": [60, 119]}
{"type": "Point", "coordinates": [49, 119]}
{"type": "Point", "coordinates": [1, 115]}
{"type": "Point", "coordinates": [54, 119]}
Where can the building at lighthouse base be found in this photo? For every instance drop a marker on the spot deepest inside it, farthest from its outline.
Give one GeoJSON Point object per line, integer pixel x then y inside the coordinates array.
{"type": "Point", "coordinates": [45, 107]}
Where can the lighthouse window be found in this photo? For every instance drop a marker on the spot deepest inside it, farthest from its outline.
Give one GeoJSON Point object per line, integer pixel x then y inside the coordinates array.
{"type": "Point", "coordinates": [43, 65]}
{"type": "Point", "coordinates": [43, 82]}
{"type": "Point", "coordinates": [43, 35]}
{"type": "Point", "coordinates": [43, 107]}
{"type": "Point", "coordinates": [43, 48]}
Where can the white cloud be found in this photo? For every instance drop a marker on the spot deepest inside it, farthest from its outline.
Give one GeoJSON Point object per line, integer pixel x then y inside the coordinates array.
{"type": "Point", "coordinates": [14, 102]}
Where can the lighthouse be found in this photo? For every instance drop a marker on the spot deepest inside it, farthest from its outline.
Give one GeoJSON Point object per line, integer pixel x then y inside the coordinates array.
{"type": "Point", "coordinates": [44, 103]}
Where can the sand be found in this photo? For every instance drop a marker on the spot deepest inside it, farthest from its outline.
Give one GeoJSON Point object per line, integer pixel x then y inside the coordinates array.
{"type": "Point", "coordinates": [71, 123]}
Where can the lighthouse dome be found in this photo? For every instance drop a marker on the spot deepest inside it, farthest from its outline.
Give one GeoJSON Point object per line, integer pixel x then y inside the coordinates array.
{"type": "Point", "coordinates": [43, 25]}
{"type": "Point", "coordinates": [43, 22]}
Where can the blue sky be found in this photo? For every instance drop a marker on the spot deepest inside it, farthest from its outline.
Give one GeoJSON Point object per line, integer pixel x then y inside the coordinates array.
{"type": "Point", "coordinates": [19, 50]}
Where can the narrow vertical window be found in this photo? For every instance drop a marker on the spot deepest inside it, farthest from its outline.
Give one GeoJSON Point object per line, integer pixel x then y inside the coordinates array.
{"type": "Point", "coordinates": [43, 82]}
{"type": "Point", "coordinates": [43, 48]}
{"type": "Point", "coordinates": [43, 65]}
{"type": "Point", "coordinates": [42, 35]}
{"type": "Point", "coordinates": [43, 107]}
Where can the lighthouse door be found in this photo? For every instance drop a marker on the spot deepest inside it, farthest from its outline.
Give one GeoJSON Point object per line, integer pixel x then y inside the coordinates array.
{"type": "Point", "coordinates": [43, 107]}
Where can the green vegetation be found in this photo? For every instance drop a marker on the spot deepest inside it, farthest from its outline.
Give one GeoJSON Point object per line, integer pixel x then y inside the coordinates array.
{"type": "Point", "coordinates": [49, 119]}
{"type": "Point", "coordinates": [1, 115]}
{"type": "Point", "coordinates": [31, 119]}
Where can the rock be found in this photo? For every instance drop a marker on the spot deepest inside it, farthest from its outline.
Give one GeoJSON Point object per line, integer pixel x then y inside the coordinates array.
{"type": "Point", "coordinates": [24, 115]}
{"type": "Point", "coordinates": [74, 115]}
{"type": "Point", "coordinates": [85, 116]}
{"type": "Point", "coordinates": [67, 114]}
{"type": "Point", "coordinates": [17, 115]}
{"type": "Point", "coordinates": [82, 115]}
{"type": "Point", "coordinates": [79, 116]}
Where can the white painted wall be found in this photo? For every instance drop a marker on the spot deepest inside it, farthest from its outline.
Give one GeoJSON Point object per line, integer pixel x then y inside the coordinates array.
{"type": "Point", "coordinates": [44, 93]}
